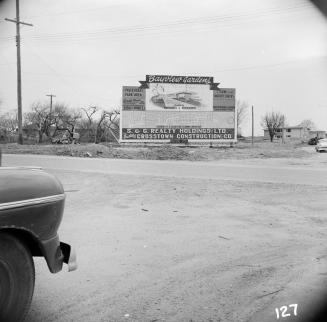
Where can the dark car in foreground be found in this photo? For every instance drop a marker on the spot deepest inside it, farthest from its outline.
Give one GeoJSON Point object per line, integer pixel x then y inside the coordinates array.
{"type": "Point", "coordinates": [31, 209]}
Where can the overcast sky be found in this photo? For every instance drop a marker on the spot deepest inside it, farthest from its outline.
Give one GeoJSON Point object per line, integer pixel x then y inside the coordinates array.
{"type": "Point", "coordinates": [274, 52]}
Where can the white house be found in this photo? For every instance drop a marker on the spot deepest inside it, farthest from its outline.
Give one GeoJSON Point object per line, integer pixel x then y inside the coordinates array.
{"type": "Point", "coordinates": [290, 132]}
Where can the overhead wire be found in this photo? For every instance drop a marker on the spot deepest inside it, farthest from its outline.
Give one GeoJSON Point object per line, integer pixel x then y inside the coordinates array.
{"type": "Point", "coordinates": [53, 70]}
{"type": "Point", "coordinates": [231, 69]}
{"type": "Point", "coordinates": [70, 12]}
{"type": "Point", "coordinates": [169, 26]}
{"type": "Point", "coordinates": [159, 27]}
{"type": "Point", "coordinates": [55, 73]}
{"type": "Point", "coordinates": [179, 23]}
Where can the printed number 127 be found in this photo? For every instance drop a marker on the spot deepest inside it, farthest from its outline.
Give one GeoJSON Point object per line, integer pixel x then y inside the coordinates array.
{"type": "Point", "coordinates": [283, 311]}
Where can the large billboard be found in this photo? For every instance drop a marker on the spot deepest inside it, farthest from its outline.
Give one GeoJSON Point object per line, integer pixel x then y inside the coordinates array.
{"type": "Point", "coordinates": [169, 108]}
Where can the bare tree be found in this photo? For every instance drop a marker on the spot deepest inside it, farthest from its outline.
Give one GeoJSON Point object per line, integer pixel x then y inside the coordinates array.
{"type": "Point", "coordinates": [242, 112]}
{"type": "Point", "coordinates": [309, 124]}
{"type": "Point", "coordinates": [111, 124]}
{"type": "Point", "coordinates": [88, 124]}
{"type": "Point", "coordinates": [107, 122]}
{"type": "Point", "coordinates": [273, 121]}
{"type": "Point", "coordinates": [40, 118]}
{"type": "Point", "coordinates": [65, 119]}
{"type": "Point", "coordinates": [100, 126]}
{"type": "Point", "coordinates": [9, 122]}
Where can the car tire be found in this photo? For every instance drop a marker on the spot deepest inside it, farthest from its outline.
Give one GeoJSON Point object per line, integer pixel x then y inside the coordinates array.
{"type": "Point", "coordinates": [17, 278]}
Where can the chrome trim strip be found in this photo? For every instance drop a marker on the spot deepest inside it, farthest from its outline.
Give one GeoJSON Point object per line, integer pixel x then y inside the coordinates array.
{"type": "Point", "coordinates": [31, 202]}
{"type": "Point", "coordinates": [21, 168]}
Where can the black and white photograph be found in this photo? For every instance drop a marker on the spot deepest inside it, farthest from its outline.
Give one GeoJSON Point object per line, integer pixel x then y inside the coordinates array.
{"type": "Point", "coordinates": [163, 161]}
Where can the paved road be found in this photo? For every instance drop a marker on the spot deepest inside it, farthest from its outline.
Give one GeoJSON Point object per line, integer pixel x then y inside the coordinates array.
{"type": "Point", "coordinates": [220, 171]}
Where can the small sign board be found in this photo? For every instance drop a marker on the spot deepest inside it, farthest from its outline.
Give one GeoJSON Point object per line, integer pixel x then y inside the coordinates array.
{"type": "Point", "coordinates": [133, 98]}
{"type": "Point", "coordinates": [224, 99]}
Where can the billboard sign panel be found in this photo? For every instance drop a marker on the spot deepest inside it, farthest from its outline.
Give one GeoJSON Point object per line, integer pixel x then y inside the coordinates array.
{"type": "Point", "coordinates": [224, 99]}
{"type": "Point", "coordinates": [179, 79]}
{"type": "Point", "coordinates": [133, 98]}
{"type": "Point", "coordinates": [166, 108]}
{"type": "Point", "coordinates": [177, 133]}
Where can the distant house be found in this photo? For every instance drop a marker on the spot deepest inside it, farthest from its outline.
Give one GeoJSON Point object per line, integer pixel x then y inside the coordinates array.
{"type": "Point", "coordinates": [290, 132]}
{"type": "Point", "coordinates": [317, 134]}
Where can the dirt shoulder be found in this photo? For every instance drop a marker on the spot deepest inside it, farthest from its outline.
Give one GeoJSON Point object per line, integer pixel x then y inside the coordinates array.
{"type": "Point", "coordinates": [241, 151]}
{"type": "Point", "coordinates": [184, 249]}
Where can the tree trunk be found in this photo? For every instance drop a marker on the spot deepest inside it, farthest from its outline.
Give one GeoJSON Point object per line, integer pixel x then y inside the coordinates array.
{"type": "Point", "coordinates": [40, 136]}
{"type": "Point", "coordinates": [271, 134]}
{"type": "Point", "coordinates": [96, 136]}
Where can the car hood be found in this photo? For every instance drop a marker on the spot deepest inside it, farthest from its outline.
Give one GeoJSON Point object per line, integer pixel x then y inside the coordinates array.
{"type": "Point", "coordinates": [17, 184]}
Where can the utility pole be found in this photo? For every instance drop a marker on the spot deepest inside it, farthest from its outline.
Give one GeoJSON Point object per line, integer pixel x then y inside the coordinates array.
{"type": "Point", "coordinates": [50, 95]}
{"type": "Point", "coordinates": [283, 133]}
{"type": "Point", "coordinates": [19, 77]}
{"type": "Point", "coordinates": [50, 114]}
{"type": "Point", "coordinates": [252, 125]}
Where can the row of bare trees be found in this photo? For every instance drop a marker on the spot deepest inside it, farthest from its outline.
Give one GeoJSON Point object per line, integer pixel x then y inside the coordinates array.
{"type": "Point", "coordinates": [96, 124]}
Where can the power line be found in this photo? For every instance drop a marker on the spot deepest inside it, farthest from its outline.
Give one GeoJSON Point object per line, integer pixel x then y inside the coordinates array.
{"type": "Point", "coordinates": [88, 10]}
{"type": "Point", "coordinates": [69, 12]}
{"type": "Point", "coordinates": [54, 71]}
{"type": "Point", "coordinates": [184, 23]}
{"type": "Point", "coordinates": [231, 69]}
{"type": "Point", "coordinates": [178, 23]}
{"type": "Point", "coordinates": [76, 92]}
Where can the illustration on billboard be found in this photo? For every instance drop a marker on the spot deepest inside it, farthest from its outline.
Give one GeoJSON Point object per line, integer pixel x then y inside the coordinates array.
{"type": "Point", "coordinates": [179, 97]}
